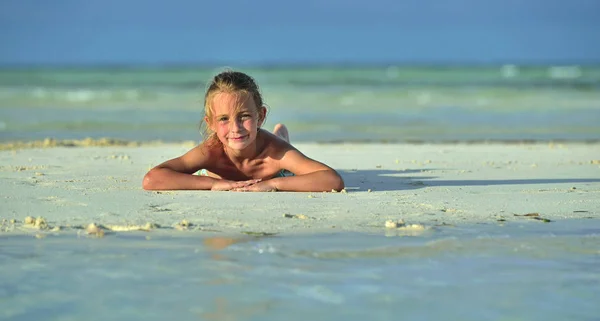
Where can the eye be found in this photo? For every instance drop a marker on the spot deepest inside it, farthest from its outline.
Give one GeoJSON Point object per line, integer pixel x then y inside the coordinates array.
{"type": "Point", "coordinates": [246, 116]}
{"type": "Point", "coordinates": [222, 119]}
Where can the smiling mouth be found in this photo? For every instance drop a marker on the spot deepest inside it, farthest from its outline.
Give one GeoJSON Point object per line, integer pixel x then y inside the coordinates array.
{"type": "Point", "coordinates": [238, 138]}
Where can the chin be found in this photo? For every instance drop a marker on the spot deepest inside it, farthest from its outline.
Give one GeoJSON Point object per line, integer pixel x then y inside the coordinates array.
{"type": "Point", "coordinates": [238, 144]}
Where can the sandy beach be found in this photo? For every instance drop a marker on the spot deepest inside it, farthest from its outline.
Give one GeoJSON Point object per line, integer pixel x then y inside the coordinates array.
{"type": "Point", "coordinates": [432, 185]}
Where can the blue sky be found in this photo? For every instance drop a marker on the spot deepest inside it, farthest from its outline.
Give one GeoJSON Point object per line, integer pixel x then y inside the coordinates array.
{"type": "Point", "coordinates": [310, 31]}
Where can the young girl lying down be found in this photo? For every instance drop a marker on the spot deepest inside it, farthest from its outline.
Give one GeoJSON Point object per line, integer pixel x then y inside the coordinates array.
{"type": "Point", "coordinates": [239, 155]}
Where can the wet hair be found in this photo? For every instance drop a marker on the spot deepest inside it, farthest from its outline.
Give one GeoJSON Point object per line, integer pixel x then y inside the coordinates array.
{"type": "Point", "coordinates": [230, 82]}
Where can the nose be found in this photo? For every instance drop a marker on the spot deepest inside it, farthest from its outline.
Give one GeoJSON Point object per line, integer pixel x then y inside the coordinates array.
{"type": "Point", "coordinates": [235, 125]}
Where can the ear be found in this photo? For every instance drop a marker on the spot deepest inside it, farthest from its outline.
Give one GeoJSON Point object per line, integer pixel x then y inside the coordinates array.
{"type": "Point", "coordinates": [208, 123]}
{"type": "Point", "coordinates": [262, 114]}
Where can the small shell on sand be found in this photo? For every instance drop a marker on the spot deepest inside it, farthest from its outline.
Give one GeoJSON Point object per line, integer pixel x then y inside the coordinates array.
{"type": "Point", "coordinates": [411, 230]}
{"type": "Point", "coordinates": [412, 227]}
{"type": "Point", "coordinates": [394, 224]}
{"type": "Point", "coordinates": [406, 230]}
{"type": "Point", "coordinates": [183, 225]}
{"type": "Point", "coordinates": [150, 226]}
{"type": "Point", "coordinates": [94, 229]}
{"type": "Point", "coordinates": [40, 223]}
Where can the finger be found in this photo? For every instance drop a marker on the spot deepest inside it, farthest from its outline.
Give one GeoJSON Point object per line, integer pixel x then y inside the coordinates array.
{"type": "Point", "coordinates": [250, 182]}
{"type": "Point", "coordinates": [242, 184]}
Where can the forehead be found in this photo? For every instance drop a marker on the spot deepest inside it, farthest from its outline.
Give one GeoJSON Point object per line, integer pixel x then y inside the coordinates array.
{"type": "Point", "coordinates": [226, 103]}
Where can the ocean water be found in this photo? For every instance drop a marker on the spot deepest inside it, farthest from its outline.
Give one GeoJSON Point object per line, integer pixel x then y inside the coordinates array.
{"type": "Point", "coordinates": [516, 271]}
{"type": "Point", "coordinates": [353, 103]}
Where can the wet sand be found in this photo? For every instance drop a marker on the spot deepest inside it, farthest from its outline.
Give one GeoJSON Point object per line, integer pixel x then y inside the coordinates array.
{"type": "Point", "coordinates": [65, 187]}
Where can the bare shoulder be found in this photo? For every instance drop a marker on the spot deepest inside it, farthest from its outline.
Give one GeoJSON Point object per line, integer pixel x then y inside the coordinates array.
{"type": "Point", "coordinates": [289, 157]}
{"type": "Point", "coordinates": [204, 150]}
{"type": "Point", "coordinates": [273, 146]}
{"type": "Point", "coordinates": [201, 156]}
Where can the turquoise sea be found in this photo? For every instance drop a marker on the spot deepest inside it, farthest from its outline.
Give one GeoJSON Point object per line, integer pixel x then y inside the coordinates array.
{"type": "Point", "coordinates": [318, 103]}
{"type": "Point", "coordinates": [512, 271]}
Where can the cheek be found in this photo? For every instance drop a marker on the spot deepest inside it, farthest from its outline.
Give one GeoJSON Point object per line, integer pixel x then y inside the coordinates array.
{"type": "Point", "coordinates": [221, 127]}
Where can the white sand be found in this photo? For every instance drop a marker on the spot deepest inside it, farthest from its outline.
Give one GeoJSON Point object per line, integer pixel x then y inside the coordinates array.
{"type": "Point", "coordinates": [420, 184]}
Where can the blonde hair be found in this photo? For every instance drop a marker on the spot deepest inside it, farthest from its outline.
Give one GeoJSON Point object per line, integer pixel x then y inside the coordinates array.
{"type": "Point", "coordinates": [230, 82]}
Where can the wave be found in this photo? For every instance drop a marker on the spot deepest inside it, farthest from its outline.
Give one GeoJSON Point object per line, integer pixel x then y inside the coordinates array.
{"type": "Point", "coordinates": [346, 100]}
{"type": "Point", "coordinates": [42, 96]}
{"type": "Point", "coordinates": [511, 76]}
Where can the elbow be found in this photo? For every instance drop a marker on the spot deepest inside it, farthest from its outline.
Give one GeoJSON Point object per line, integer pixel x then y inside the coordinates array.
{"type": "Point", "coordinates": [149, 182]}
{"type": "Point", "coordinates": [338, 183]}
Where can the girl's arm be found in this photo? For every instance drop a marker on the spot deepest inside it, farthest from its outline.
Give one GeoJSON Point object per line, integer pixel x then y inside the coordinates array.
{"type": "Point", "coordinates": [176, 174]}
{"type": "Point", "coordinates": [310, 176]}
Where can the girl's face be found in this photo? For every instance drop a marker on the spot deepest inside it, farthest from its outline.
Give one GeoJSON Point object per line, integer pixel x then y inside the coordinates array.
{"type": "Point", "coordinates": [235, 119]}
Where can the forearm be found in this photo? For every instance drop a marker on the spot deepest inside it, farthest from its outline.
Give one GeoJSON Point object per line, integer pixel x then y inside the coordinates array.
{"type": "Point", "coordinates": [168, 179]}
{"type": "Point", "coordinates": [320, 181]}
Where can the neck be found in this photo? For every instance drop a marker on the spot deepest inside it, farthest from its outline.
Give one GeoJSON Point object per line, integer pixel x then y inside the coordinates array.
{"type": "Point", "coordinates": [248, 153]}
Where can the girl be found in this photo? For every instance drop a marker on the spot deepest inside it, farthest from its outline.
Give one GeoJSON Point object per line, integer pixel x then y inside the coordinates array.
{"type": "Point", "coordinates": [238, 155]}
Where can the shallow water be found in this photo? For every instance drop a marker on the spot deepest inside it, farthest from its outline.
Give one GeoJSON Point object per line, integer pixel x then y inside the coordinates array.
{"type": "Point", "coordinates": [519, 271]}
{"type": "Point", "coordinates": [369, 103]}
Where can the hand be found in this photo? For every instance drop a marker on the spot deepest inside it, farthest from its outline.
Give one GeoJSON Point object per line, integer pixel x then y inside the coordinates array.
{"type": "Point", "coordinates": [227, 185]}
{"type": "Point", "coordinates": [266, 186]}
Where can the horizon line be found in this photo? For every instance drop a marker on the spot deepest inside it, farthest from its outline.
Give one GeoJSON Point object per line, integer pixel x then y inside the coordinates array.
{"type": "Point", "coordinates": [304, 64]}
